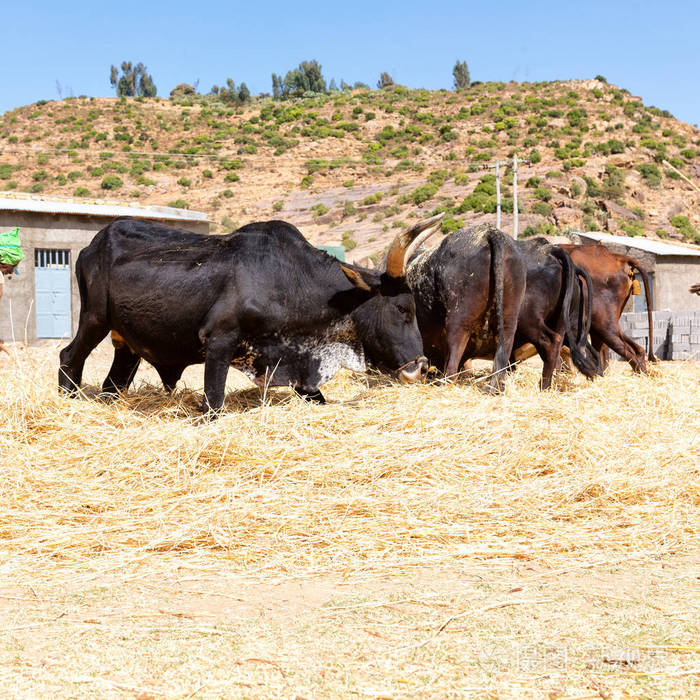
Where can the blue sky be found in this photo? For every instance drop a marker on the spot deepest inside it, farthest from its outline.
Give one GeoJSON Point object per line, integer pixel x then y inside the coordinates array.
{"type": "Point", "coordinates": [648, 48]}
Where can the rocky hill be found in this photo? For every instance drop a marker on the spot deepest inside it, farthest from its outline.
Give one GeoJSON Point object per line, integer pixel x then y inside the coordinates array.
{"type": "Point", "coordinates": [351, 168]}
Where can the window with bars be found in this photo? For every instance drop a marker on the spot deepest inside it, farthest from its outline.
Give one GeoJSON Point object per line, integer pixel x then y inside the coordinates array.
{"type": "Point", "coordinates": [52, 258]}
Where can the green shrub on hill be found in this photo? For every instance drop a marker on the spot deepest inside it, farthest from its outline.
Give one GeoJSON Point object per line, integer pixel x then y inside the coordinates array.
{"type": "Point", "coordinates": [347, 241]}
{"type": "Point", "coordinates": [111, 182]}
{"type": "Point", "coordinates": [613, 182]}
{"type": "Point", "coordinates": [682, 225]}
{"type": "Point", "coordinates": [650, 173]}
{"type": "Point", "coordinates": [541, 208]}
{"type": "Point", "coordinates": [423, 193]}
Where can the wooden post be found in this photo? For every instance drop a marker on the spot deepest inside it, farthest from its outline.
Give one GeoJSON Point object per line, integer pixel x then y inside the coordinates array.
{"type": "Point", "coordinates": [515, 196]}
{"type": "Point", "coordinates": [498, 196]}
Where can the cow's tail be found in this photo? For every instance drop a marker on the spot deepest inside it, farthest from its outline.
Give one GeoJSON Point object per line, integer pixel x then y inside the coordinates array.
{"type": "Point", "coordinates": [592, 360]}
{"type": "Point", "coordinates": [498, 254]}
{"type": "Point", "coordinates": [586, 314]}
{"type": "Point", "coordinates": [568, 282]}
{"type": "Point", "coordinates": [582, 354]}
{"type": "Point", "coordinates": [647, 294]}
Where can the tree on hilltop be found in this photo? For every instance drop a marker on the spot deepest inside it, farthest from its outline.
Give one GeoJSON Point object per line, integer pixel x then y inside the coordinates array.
{"type": "Point", "coordinates": [461, 75]}
{"type": "Point", "coordinates": [306, 77]}
{"type": "Point", "coordinates": [385, 81]}
{"type": "Point", "coordinates": [183, 90]}
{"type": "Point", "coordinates": [232, 94]}
{"type": "Point", "coordinates": [134, 81]}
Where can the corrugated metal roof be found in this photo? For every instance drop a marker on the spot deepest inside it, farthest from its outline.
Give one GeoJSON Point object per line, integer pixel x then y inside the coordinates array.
{"type": "Point", "coordinates": [96, 207]}
{"type": "Point", "coordinates": [646, 244]}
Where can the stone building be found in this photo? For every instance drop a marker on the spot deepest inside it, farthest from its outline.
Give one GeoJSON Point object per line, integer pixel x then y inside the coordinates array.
{"type": "Point", "coordinates": [41, 300]}
{"type": "Point", "coordinates": [672, 270]}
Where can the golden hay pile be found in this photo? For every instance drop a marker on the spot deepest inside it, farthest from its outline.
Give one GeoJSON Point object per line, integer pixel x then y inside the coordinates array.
{"type": "Point", "coordinates": [384, 476]}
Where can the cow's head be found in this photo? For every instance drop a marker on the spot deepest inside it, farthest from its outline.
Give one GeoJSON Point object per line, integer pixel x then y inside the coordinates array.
{"type": "Point", "coordinates": [386, 318]}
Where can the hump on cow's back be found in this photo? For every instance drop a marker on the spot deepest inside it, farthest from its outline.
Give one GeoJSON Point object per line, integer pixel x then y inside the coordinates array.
{"type": "Point", "coordinates": [278, 229]}
{"type": "Point", "coordinates": [472, 237]}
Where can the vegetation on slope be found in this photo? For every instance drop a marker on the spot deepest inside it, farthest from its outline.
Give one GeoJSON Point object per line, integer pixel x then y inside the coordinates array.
{"type": "Point", "coordinates": [353, 165]}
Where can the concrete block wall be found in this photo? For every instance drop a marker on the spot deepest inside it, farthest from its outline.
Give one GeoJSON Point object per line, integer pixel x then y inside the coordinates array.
{"type": "Point", "coordinates": [676, 333]}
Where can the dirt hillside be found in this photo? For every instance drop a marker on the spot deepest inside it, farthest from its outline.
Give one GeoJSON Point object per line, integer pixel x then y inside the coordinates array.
{"type": "Point", "coordinates": [350, 168]}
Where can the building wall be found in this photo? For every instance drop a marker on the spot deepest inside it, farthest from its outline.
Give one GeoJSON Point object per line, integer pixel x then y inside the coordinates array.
{"type": "Point", "coordinates": [676, 333]}
{"type": "Point", "coordinates": [673, 278]}
{"type": "Point", "coordinates": [63, 231]}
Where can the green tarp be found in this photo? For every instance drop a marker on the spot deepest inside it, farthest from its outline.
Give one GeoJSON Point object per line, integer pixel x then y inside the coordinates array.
{"type": "Point", "coordinates": [10, 249]}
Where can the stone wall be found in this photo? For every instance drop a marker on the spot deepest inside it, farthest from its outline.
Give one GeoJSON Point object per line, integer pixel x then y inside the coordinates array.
{"type": "Point", "coordinates": [676, 333]}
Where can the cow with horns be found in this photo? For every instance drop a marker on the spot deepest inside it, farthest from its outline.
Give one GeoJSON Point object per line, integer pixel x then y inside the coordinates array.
{"type": "Point", "coordinates": [261, 299]}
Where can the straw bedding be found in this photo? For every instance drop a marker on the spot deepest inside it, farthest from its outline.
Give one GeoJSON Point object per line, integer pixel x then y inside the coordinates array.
{"type": "Point", "coordinates": [384, 476]}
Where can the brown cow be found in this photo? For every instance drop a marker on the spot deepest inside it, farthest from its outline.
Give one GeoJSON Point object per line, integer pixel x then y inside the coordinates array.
{"type": "Point", "coordinates": [612, 275]}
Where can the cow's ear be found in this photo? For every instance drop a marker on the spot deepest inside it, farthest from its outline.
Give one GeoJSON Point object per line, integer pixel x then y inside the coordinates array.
{"type": "Point", "coordinates": [355, 276]}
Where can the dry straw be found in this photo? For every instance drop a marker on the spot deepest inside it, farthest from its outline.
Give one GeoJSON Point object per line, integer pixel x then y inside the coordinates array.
{"type": "Point", "coordinates": [384, 477]}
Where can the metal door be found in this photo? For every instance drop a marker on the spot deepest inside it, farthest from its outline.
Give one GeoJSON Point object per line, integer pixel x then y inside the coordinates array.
{"type": "Point", "coordinates": [52, 284]}
{"type": "Point", "coordinates": [640, 301]}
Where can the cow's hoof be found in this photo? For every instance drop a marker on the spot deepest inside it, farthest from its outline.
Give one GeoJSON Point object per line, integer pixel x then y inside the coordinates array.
{"type": "Point", "coordinates": [208, 414]}
{"type": "Point", "coordinates": [311, 396]}
{"type": "Point", "coordinates": [70, 392]}
{"type": "Point", "coordinates": [494, 387]}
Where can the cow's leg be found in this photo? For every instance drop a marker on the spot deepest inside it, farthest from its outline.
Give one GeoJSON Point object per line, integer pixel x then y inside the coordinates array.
{"type": "Point", "coordinates": [313, 396]}
{"type": "Point", "coordinates": [169, 375]}
{"type": "Point", "coordinates": [501, 358]}
{"type": "Point", "coordinates": [565, 359]}
{"type": "Point", "coordinates": [457, 337]}
{"type": "Point", "coordinates": [122, 371]}
{"type": "Point", "coordinates": [640, 364]}
{"type": "Point", "coordinates": [599, 345]}
{"type": "Point", "coordinates": [548, 346]}
{"type": "Point", "coordinates": [631, 353]}
{"type": "Point", "coordinates": [72, 358]}
{"type": "Point", "coordinates": [218, 356]}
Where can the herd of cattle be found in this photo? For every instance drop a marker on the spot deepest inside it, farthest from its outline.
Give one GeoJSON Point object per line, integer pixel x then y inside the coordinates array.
{"type": "Point", "coordinates": [264, 300]}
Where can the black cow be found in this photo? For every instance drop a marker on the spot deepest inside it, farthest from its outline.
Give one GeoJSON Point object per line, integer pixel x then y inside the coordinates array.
{"type": "Point", "coordinates": [262, 299]}
{"type": "Point", "coordinates": [555, 311]}
{"type": "Point", "coordinates": [468, 293]}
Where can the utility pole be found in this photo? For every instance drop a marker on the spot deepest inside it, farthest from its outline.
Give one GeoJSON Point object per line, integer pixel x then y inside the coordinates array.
{"type": "Point", "coordinates": [515, 196]}
{"type": "Point", "coordinates": [498, 197]}
{"type": "Point", "coordinates": [497, 167]}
